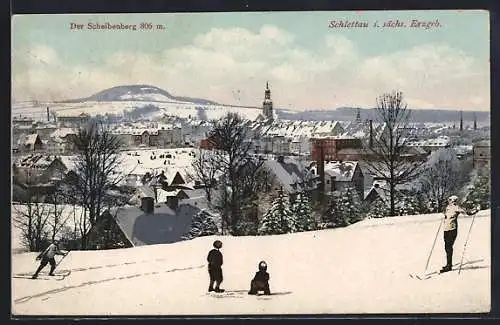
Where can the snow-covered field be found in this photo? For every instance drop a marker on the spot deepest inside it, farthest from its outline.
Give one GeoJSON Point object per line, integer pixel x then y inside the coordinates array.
{"type": "Point", "coordinates": [363, 268]}
{"type": "Point", "coordinates": [140, 161]}
{"type": "Point", "coordinates": [93, 108]}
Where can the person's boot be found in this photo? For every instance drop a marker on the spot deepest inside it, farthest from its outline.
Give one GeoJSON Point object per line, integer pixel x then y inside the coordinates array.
{"type": "Point", "coordinates": [217, 289]}
{"type": "Point", "coordinates": [445, 268]}
{"type": "Point", "coordinates": [36, 272]}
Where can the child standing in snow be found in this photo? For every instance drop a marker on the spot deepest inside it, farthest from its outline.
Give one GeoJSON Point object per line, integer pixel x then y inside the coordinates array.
{"type": "Point", "coordinates": [215, 261]}
{"type": "Point", "coordinates": [48, 256]}
{"type": "Point", "coordinates": [260, 282]}
{"type": "Point", "coordinates": [452, 211]}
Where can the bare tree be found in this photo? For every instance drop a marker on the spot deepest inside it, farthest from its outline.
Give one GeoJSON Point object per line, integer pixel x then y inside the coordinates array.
{"type": "Point", "coordinates": [31, 219]}
{"type": "Point", "coordinates": [96, 171]}
{"type": "Point", "coordinates": [386, 151]}
{"type": "Point", "coordinates": [205, 169]}
{"type": "Point", "coordinates": [56, 200]}
{"type": "Point", "coordinates": [443, 175]}
{"type": "Point", "coordinates": [229, 136]}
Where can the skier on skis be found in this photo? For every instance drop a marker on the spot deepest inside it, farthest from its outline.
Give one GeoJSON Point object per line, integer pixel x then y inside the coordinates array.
{"type": "Point", "coordinates": [215, 261]}
{"type": "Point", "coordinates": [48, 256]}
{"type": "Point", "coordinates": [452, 211]}
{"type": "Point", "coordinates": [260, 282]}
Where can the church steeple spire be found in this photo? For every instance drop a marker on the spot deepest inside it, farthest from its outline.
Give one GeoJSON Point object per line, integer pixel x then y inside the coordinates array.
{"type": "Point", "coordinates": [267, 94]}
{"type": "Point", "coordinates": [267, 104]}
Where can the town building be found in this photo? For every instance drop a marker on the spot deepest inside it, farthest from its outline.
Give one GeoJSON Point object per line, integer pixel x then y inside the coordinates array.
{"type": "Point", "coordinates": [481, 154]}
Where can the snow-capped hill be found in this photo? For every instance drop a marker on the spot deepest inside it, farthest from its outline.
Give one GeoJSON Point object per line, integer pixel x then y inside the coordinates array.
{"type": "Point", "coordinates": [145, 93]}
{"type": "Point", "coordinates": [362, 269]}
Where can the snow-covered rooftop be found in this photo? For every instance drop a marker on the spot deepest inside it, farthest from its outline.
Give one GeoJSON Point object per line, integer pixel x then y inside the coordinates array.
{"type": "Point", "coordinates": [343, 171]}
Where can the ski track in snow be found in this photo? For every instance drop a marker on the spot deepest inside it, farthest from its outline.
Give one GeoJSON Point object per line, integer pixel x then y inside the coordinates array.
{"type": "Point", "coordinates": [89, 283]}
{"type": "Point", "coordinates": [80, 269]}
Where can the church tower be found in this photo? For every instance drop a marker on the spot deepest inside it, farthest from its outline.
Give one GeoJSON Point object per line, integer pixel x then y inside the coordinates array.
{"type": "Point", "coordinates": [267, 104]}
{"type": "Point", "coordinates": [358, 115]}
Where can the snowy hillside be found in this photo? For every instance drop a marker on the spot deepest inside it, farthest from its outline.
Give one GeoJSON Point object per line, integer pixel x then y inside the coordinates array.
{"type": "Point", "coordinates": [141, 93]}
{"type": "Point", "coordinates": [363, 268]}
{"type": "Point", "coordinates": [121, 99]}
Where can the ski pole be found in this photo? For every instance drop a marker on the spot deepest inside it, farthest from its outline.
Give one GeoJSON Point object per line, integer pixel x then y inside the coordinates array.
{"type": "Point", "coordinates": [64, 256]}
{"type": "Point", "coordinates": [465, 244]}
{"type": "Point", "coordinates": [433, 244]}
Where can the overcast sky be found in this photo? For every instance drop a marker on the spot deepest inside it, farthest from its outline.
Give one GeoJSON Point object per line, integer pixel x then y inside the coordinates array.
{"type": "Point", "coordinates": [228, 57]}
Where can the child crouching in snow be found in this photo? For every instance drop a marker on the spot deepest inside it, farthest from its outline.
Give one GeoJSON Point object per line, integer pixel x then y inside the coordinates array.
{"type": "Point", "coordinates": [260, 282]}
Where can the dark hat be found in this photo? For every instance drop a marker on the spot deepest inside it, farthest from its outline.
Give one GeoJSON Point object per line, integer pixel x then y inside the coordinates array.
{"type": "Point", "coordinates": [262, 266]}
{"type": "Point", "coordinates": [217, 244]}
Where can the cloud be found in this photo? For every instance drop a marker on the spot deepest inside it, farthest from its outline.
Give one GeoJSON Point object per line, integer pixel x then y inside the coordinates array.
{"type": "Point", "coordinates": [222, 62]}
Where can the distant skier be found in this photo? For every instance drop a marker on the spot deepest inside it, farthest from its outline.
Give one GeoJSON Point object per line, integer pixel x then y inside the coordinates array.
{"type": "Point", "coordinates": [260, 281]}
{"type": "Point", "coordinates": [48, 256]}
{"type": "Point", "coordinates": [452, 211]}
{"type": "Point", "coordinates": [215, 261]}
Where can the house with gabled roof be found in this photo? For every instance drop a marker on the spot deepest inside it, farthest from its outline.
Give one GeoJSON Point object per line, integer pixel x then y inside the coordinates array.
{"type": "Point", "coordinates": [72, 118]}
{"type": "Point", "coordinates": [292, 176]}
{"type": "Point", "coordinates": [340, 175]}
{"type": "Point", "coordinates": [39, 169]}
{"type": "Point", "coordinates": [146, 224]}
{"type": "Point", "coordinates": [29, 142]}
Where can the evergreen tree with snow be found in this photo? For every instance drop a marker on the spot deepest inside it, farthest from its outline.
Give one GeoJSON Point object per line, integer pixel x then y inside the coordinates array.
{"type": "Point", "coordinates": [279, 219]}
{"type": "Point", "coordinates": [378, 209]}
{"type": "Point", "coordinates": [408, 205]}
{"type": "Point", "coordinates": [203, 224]}
{"type": "Point", "coordinates": [302, 211]}
{"type": "Point", "coordinates": [344, 208]}
{"type": "Point", "coordinates": [480, 192]}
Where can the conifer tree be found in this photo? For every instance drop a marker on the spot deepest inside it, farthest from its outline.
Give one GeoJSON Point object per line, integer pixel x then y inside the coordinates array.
{"type": "Point", "coordinates": [378, 209]}
{"type": "Point", "coordinates": [344, 208]}
{"type": "Point", "coordinates": [480, 192]}
{"type": "Point", "coordinates": [279, 219]}
{"type": "Point", "coordinates": [408, 205]}
{"type": "Point", "coordinates": [302, 212]}
{"type": "Point", "coordinates": [203, 224]}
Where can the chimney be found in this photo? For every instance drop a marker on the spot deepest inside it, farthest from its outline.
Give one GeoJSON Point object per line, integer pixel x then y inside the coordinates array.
{"type": "Point", "coordinates": [461, 121]}
{"type": "Point", "coordinates": [147, 204]}
{"type": "Point", "coordinates": [371, 134]}
{"type": "Point", "coordinates": [48, 115]}
{"type": "Point", "coordinates": [172, 202]}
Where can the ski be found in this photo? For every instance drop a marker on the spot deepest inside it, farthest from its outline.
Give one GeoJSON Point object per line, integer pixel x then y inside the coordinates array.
{"type": "Point", "coordinates": [427, 276]}
{"type": "Point", "coordinates": [423, 276]}
{"type": "Point", "coordinates": [456, 267]}
{"type": "Point", "coordinates": [58, 276]}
